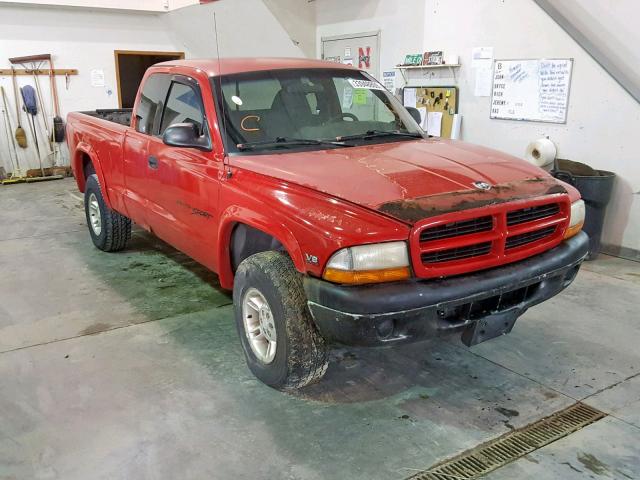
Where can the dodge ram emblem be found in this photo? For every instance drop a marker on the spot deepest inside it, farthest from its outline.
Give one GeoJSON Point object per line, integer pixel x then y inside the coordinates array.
{"type": "Point", "coordinates": [482, 185]}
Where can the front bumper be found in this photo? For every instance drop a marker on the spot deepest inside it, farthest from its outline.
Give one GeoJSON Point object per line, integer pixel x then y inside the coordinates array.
{"type": "Point", "coordinates": [479, 305]}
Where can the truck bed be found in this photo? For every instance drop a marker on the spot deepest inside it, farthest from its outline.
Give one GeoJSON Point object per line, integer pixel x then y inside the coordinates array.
{"type": "Point", "coordinates": [116, 115]}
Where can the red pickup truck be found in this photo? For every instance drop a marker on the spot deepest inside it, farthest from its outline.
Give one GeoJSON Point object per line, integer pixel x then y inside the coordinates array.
{"type": "Point", "coordinates": [315, 196]}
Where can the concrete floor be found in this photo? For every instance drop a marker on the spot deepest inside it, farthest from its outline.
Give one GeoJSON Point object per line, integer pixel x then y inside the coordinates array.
{"type": "Point", "coordinates": [123, 366]}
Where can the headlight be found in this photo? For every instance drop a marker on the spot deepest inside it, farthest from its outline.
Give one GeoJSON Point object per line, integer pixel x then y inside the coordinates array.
{"type": "Point", "coordinates": [577, 219]}
{"type": "Point", "coordinates": [378, 262]}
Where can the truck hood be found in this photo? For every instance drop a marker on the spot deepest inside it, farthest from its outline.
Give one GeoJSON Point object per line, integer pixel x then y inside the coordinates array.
{"type": "Point", "coordinates": [409, 180]}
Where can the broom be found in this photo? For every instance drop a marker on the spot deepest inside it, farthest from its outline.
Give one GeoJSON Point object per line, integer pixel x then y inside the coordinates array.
{"type": "Point", "coordinates": [58, 123]}
{"type": "Point", "coordinates": [21, 135]}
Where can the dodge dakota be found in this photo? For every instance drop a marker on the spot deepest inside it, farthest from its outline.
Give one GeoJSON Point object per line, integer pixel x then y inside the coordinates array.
{"type": "Point", "coordinates": [318, 199]}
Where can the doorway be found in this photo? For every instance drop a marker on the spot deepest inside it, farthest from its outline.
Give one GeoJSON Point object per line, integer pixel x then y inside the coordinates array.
{"type": "Point", "coordinates": [130, 68]}
{"type": "Point", "coordinates": [362, 50]}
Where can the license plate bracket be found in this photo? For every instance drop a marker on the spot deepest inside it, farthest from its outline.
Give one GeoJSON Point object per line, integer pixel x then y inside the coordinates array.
{"type": "Point", "coordinates": [490, 326]}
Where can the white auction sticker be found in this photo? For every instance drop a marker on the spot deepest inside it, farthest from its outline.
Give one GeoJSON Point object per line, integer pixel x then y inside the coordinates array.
{"type": "Point", "coordinates": [368, 84]}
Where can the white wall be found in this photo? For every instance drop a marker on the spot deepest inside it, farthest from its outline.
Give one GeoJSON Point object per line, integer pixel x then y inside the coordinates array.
{"type": "Point", "coordinates": [298, 18]}
{"type": "Point", "coordinates": [246, 29]}
{"type": "Point", "coordinates": [76, 38]}
{"type": "Point", "coordinates": [603, 120]}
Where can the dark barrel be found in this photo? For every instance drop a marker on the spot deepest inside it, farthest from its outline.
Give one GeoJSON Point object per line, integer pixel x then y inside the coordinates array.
{"type": "Point", "coordinates": [595, 186]}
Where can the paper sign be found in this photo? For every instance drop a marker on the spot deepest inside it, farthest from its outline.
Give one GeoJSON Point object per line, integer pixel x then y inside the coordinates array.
{"type": "Point", "coordinates": [368, 84]}
{"type": "Point", "coordinates": [484, 82]}
{"type": "Point", "coordinates": [481, 56]}
{"type": "Point", "coordinates": [347, 98]}
{"type": "Point", "coordinates": [423, 117]}
{"type": "Point", "coordinates": [360, 96]}
{"type": "Point", "coordinates": [434, 124]}
{"type": "Point", "coordinates": [97, 78]}
{"type": "Point", "coordinates": [347, 51]}
{"type": "Point", "coordinates": [389, 80]}
{"type": "Point", "coordinates": [410, 98]}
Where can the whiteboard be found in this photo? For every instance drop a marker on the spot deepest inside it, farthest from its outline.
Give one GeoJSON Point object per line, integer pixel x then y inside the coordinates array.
{"type": "Point", "coordinates": [535, 90]}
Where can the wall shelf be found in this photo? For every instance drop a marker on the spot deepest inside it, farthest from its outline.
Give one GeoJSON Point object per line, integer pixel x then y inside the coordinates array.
{"type": "Point", "coordinates": [402, 68]}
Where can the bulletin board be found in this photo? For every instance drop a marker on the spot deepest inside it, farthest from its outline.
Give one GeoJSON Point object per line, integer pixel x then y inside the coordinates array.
{"type": "Point", "coordinates": [435, 99]}
{"type": "Point", "coordinates": [535, 89]}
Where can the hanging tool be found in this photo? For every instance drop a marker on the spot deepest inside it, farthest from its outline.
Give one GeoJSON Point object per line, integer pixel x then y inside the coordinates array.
{"type": "Point", "coordinates": [16, 172]}
{"type": "Point", "coordinates": [31, 108]}
{"type": "Point", "coordinates": [30, 103]}
{"type": "Point", "coordinates": [34, 63]}
{"type": "Point", "coordinates": [58, 123]}
{"type": "Point", "coordinates": [20, 135]}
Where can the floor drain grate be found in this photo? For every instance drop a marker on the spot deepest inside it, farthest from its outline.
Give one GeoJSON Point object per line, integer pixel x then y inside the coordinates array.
{"type": "Point", "coordinates": [513, 445]}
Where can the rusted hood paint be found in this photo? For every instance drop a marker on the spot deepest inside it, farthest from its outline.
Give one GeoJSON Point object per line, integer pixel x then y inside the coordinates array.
{"type": "Point", "coordinates": [413, 210]}
{"type": "Point", "coordinates": [403, 178]}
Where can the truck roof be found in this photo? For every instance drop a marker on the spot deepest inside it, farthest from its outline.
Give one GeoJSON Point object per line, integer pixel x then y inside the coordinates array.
{"type": "Point", "coordinates": [226, 66]}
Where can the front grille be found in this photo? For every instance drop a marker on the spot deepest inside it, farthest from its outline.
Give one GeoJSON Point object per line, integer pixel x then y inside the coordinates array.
{"type": "Point", "coordinates": [529, 237]}
{"type": "Point", "coordinates": [457, 253]}
{"type": "Point", "coordinates": [530, 214]}
{"type": "Point", "coordinates": [461, 242]}
{"type": "Point", "coordinates": [455, 229]}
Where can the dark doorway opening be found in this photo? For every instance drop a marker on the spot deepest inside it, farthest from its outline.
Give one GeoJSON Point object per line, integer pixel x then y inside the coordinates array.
{"type": "Point", "coordinates": [130, 68]}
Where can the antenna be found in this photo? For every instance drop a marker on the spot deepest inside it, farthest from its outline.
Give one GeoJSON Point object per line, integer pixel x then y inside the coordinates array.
{"type": "Point", "coordinates": [222, 102]}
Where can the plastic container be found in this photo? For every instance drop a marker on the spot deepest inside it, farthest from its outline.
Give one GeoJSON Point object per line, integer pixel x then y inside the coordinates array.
{"type": "Point", "coordinates": [595, 186]}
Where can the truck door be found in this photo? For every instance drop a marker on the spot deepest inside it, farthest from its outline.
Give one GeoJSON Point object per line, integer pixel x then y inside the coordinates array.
{"type": "Point", "coordinates": [184, 190]}
{"type": "Point", "coordinates": [138, 169]}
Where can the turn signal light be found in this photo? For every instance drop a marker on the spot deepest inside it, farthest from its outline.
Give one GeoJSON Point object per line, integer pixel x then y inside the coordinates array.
{"type": "Point", "coordinates": [366, 276]}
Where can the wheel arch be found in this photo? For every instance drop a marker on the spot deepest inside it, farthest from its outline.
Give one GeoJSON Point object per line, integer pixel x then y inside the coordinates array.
{"type": "Point", "coordinates": [261, 234]}
{"type": "Point", "coordinates": [86, 162]}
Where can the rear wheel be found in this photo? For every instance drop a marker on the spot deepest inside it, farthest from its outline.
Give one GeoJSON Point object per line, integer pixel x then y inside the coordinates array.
{"type": "Point", "coordinates": [109, 230]}
{"type": "Point", "coordinates": [281, 344]}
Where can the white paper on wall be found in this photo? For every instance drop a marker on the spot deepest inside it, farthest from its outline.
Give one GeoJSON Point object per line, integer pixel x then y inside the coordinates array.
{"type": "Point", "coordinates": [484, 81]}
{"type": "Point", "coordinates": [97, 78]}
{"type": "Point", "coordinates": [410, 97]}
{"type": "Point", "coordinates": [434, 124]}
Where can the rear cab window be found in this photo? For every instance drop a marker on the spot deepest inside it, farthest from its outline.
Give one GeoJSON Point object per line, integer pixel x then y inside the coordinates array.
{"type": "Point", "coordinates": [149, 108]}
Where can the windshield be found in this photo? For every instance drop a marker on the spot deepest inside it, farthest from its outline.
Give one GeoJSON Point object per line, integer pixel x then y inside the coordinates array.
{"type": "Point", "coordinates": [310, 109]}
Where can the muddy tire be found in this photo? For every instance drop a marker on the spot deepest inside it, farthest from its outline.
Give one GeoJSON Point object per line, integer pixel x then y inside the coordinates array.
{"type": "Point", "coordinates": [280, 341]}
{"type": "Point", "coordinates": [109, 230]}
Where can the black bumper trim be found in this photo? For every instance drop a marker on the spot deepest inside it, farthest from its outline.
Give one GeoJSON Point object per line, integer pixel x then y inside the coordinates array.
{"type": "Point", "coordinates": [408, 311]}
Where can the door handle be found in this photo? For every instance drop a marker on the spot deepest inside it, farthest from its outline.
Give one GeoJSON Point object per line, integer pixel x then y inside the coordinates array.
{"type": "Point", "coordinates": [153, 162]}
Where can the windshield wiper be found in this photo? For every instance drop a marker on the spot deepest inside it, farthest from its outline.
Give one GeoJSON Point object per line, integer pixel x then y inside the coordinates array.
{"type": "Point", "coordinates": [286, 142]}
{"type": "Point", "coordinates": [378, 133]}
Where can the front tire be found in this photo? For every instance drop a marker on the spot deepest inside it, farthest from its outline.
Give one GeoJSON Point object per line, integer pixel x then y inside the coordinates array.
{"type": "Point", "coordinates": [282, 347]}
{"type": "Point", "coordinates": [109, 230]}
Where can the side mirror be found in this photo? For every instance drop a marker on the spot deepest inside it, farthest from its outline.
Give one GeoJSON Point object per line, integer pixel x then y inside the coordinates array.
{"type": "Point", "coordinates": [186, 135]}
{"type": "Point", "coordinates": [415, 114]}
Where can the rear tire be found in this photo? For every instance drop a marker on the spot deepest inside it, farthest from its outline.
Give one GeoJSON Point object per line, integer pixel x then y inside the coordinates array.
{"type": "Point", "coordinates": [268, 286]}
{"type": "Point", "coordinates": [109, 230]}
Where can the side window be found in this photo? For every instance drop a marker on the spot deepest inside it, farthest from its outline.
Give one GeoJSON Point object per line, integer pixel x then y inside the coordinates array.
{"type": "Point", "coordinates": [150, 106]}
{"type": "Point", "coordinates": [183, 106]}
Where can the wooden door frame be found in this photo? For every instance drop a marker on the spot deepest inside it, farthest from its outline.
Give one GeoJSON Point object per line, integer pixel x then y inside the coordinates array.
{"type": "Point", "coordinates": [117, 54]}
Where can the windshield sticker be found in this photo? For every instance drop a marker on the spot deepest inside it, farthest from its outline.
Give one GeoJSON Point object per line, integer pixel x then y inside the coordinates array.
{"type": "Point", "coordinates": [347, 98]}
{"type": "Point", "coordinates": [360, 96]}
{"type": "Point", "coordinates": [368, 84]}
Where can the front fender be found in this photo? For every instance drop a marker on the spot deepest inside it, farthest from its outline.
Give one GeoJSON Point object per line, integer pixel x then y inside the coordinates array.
{"type": "Point", "coordinates": [260, 221]}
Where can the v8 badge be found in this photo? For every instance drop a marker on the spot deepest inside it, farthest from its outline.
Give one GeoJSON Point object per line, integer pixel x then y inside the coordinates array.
{"type": "Point", "coordinates": [312, 259]}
